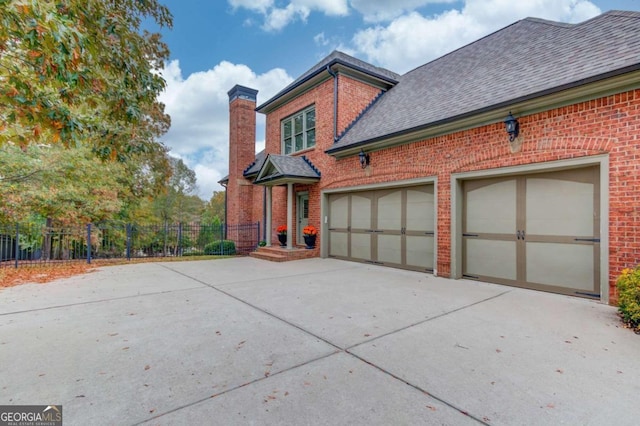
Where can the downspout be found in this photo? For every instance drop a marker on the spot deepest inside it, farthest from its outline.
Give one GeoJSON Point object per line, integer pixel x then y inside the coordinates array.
{"type": "Point", "coordinates": [335, 103]}
{"type": "Point", "coordinates": [224, 237]}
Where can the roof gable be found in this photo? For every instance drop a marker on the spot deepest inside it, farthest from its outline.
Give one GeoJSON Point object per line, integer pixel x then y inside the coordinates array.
{"type": "Point", "coordinates": [336, 60]}
{"type": "Point", "coordinates": [281, 169]}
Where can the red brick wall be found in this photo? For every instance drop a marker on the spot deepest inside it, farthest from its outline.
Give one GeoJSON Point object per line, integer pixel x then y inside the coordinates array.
{"type": "Point", "coordinates": [353, 97]}
{"type": "Point", "coordinates": [607, 125]}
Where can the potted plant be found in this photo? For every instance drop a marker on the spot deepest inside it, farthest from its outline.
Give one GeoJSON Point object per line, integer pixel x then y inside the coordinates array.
{"type": "Point", "coordinates": [282, 235]}
{"type": "Point", "coordinates": [310, 233]}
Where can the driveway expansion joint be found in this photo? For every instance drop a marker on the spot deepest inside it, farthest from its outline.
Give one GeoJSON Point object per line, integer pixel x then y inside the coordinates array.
{"type": "Point", "coordinates": [444, 314]}
{"type": "Point", "coordinates": [251, 382]}
{"type": "Point", "coordinates": [89, 302]}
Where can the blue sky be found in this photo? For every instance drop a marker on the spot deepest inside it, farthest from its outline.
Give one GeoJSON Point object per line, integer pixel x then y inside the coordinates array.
{"type": "Point", "coordinates": [265, 44]}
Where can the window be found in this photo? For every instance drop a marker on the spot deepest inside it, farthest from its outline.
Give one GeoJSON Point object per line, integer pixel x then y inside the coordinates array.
{"type": "Point", "coordinates": [299, 131]}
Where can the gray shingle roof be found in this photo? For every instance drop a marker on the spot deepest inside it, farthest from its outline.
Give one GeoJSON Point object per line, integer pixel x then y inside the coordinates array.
{"type": "Point", "coordinates": [283, 166]}
{"type": "Point", "coordinates": [528, 58]}
{"type": "Point", "coordinates": [255, 167]}
{"type": "Point", "coordinates": [335, 57]}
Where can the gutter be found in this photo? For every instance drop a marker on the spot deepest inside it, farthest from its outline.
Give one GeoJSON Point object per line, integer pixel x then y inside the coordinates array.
{"type": "Point", "coordinates": [335, 103]}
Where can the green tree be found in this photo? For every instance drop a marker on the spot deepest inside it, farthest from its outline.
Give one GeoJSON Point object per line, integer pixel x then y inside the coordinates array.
{"type": "Point", "coordinates": [67, 186]}
{"type": "Point", "coordinates": [214, 209]}
{"type": "Point", "coordinates": [177, 203]}
{"type": "Point", "coordinates": [78, 72]}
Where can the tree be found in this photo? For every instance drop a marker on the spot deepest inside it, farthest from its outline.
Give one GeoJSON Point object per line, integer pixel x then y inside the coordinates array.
{"type": "Point", "coordinates": [214, 209]}
{"type": "Point", "coordinates": [78, 72]}
{"type": "Point", "coordinates": [67, 186]}
{"type": "Point", "coordinates": [177, 202]}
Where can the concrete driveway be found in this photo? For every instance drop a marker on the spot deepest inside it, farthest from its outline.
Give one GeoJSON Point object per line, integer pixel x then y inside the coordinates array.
{"type": "Point", "coordinates": [319, 341]}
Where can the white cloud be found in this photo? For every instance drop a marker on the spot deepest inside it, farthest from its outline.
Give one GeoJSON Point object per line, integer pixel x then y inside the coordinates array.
{"type": "Point", "coordinates": [255, 5]}
{"type": "Point", "coordinates": [384, 10]}
{"type": "Point", "coordinates": [276, 18]}
{"type": "Point", "coordinates": [413, 39]}
{"type": "Point", "coordinates": [199, 109]}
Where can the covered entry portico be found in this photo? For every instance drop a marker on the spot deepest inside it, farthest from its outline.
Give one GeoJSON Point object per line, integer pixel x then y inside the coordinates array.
{"type": "Point", "coordinates": [282, 170]}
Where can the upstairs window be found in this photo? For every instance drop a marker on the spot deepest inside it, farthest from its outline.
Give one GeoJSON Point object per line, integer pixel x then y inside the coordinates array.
{"type": "Point", "coordinates": [299, 131]}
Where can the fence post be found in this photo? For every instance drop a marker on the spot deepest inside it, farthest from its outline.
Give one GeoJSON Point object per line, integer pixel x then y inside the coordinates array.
{"type": "Point", "coordinates": [17, 244]}
{"type": "Point", "coordinates": [223, 235]}
{"type": "Point", "coordinates": [258, 235]}
{"type": "Point", "coordinates": [179, 253]}
{"type": "Point", "coordinates": [128, 231]}
{"type": "Point", "coordinates": [88, 243]}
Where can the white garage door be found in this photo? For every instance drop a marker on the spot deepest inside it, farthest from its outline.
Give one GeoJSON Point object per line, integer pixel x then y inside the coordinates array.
{"type": "Point", "coordinates": [538, 231]}
{"type": "Point", "coordinates": [393, 227]}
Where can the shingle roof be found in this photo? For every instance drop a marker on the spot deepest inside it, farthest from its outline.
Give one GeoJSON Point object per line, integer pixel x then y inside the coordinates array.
{"type": "Point", "coordinates": [278, 167]}
{"type": "Point", "coordinates": [255, 167]}
{"type": "Point", "coordinates": [528, 58]}
{"type": "Point", "coordinates": [335, 57]}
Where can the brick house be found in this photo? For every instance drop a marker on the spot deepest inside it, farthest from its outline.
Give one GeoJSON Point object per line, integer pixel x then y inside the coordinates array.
{"type": "Point", "coordinates": [417, 171]}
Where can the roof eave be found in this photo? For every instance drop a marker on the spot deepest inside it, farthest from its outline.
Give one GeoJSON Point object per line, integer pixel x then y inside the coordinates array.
{"type": "Point", "coordinates": [285, 179]}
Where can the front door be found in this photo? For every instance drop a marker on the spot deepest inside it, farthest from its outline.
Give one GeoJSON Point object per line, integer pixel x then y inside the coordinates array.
{"type": "Point", "coordinates": [303, 215]}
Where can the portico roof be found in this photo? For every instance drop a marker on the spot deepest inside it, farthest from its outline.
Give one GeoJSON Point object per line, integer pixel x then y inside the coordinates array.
{"type": "Point", "coordinates": [282, 169]}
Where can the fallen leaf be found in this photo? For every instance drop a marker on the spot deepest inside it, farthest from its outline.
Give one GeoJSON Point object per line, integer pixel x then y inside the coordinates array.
{"type": "Point", "coordinates": [551, 405]}
{"type": "Point", "coordinates": [559, 371]}
{"type": "Point", "coordinates": [152, 410]}
{"type": "Point", "coordinates": [431, 408]}
{"type": "Point", "coordinates": [146, 367]}
{"type": "Point", "coordinates": [125, 348]}
{"type": "Point", "coordinates": [498, 350]}
{"type": "Point", "coordinates": [286, 394]}
{"type": "Point", "coordinates": [367, 335]}
{"type": "Point", "coordinates": [10, 277]}
{"type": "Point", "coordinates": [80, 396]}
{"type": "Point", "coordinates": [486, 419]}
{"type": "Point", "coordinates": [113, 334]}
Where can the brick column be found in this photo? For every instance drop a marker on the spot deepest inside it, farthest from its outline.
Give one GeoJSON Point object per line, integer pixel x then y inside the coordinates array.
{"type": "Point", "coordinates": [242, 147]}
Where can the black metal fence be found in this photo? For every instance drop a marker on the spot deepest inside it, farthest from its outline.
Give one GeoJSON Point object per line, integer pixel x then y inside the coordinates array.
{"type": "Point", "coordinates": [31, 244]}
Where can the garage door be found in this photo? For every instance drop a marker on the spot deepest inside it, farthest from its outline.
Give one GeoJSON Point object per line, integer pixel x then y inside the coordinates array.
{"type": "Point", "coordinates": [392, 227]}
{"type": "Point", "coordinates": [537, 231]}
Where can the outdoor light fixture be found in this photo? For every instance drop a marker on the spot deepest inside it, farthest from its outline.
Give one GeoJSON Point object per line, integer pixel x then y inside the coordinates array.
{"type": "Point", "coordinates": [512, 126]}
{"type": "Point", "coordinates": [364, 159]}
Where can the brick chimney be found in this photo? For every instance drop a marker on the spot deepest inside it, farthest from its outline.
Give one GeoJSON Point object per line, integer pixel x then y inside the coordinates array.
{"type": "Point", "coordinates": [242, 152]}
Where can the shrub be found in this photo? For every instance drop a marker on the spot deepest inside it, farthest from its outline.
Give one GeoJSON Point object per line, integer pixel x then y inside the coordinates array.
{"type": "Point", "coordinates": [220, 248]}
{"type": "Point", "coordinates": [262, 243]}
{"type": "Point", "coordinates": [629, 297]}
